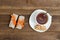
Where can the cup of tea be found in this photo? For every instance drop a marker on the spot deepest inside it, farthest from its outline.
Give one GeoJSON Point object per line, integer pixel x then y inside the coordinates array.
{"type": "Point", "coordinates": [42, 18]}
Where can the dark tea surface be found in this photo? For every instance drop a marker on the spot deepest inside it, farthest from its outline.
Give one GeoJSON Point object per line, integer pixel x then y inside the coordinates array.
{"type": "Point", "coordinates": [42, 18]}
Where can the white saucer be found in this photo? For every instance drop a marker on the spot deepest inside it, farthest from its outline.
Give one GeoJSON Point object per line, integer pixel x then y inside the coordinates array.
{"type": "Point", "coordinates": [32, 20]}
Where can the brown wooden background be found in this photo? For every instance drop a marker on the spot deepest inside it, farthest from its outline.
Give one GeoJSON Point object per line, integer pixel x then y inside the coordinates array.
{"type": "Point", "coordinates": [26, 7]}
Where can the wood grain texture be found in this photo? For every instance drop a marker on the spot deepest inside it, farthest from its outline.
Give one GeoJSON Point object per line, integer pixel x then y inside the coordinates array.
{"type": "Point", "coordinates": [16, 35]}
{"type": "Point", "coordinates": [26, 7]}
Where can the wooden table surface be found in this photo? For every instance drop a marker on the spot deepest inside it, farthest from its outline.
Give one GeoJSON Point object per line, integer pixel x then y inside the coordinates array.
{"type": "Point", "coordinates": [26, 7]}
